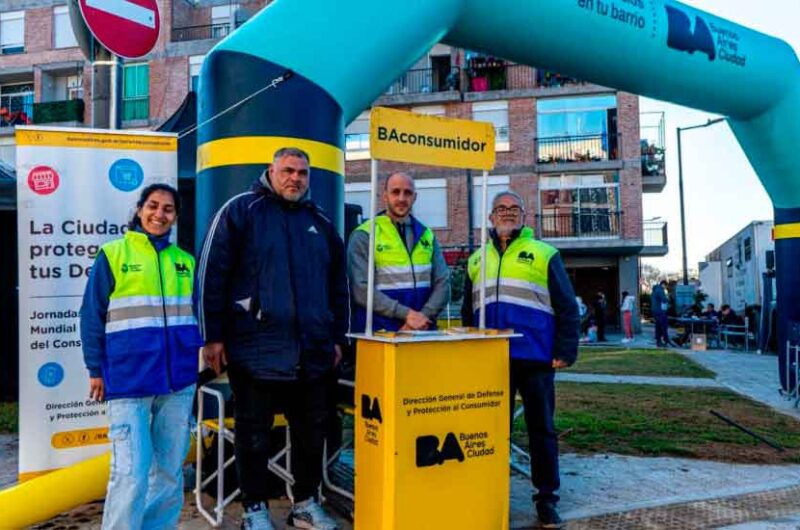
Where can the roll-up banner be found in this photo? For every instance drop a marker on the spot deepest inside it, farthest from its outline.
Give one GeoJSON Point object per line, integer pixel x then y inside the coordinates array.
{"type": "Point", "coordinates": [76, 189]}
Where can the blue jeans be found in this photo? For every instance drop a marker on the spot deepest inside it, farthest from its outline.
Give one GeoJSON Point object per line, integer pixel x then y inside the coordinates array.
{"type": "Point", "coordinates": [150, 438]}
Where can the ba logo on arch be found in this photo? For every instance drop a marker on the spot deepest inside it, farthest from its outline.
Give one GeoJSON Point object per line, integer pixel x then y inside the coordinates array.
{"type": "Point", "coordinates": [682, 37]}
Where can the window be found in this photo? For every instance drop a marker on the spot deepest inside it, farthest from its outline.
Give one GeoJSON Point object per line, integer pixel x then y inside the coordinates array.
{"type": "Point", "coordinates": [195, 64]}
{"type": "Point", "coordinates": [496, 113]}
{"type": "Point", "coordinates": [356, 138]}
{"type": "Point", "coordinates": [358, 193]}
{"type": "Point", "coordinates": [75, 86]}
{"type": "Point", "coordinates": [729, 267]}
{"type": "Point", "coordinates": [12, 32]}
{"type": "Point", "coordinates": [16, 104]}
{"type": "Point", "coordinates": [63, 36]}
{"type": "Point", "coordinates": [221, 20]}
{"type": "Point", "coordinates": [748, 249]}
{"type": "Point", "coordinates": [430, 208]}
{"type": "Point", "coordinates": [496, 184]}
{"type": "Point", "coordinates": [135, 92]}
{"type": "Point", "coordinates": [431, 205]}
{"type": "Point", "coordinates": [579, 206]}
{"type": "Point", "coordinates": [581, 129]}
{"type": "Point", "coordinates": [429, 110]}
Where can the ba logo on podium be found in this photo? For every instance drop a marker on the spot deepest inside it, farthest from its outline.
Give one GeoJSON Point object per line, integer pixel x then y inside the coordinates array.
{"type": "Point", "coordinates": [371, 408]}
{"type": "Point", "coordinates": [429, 453]}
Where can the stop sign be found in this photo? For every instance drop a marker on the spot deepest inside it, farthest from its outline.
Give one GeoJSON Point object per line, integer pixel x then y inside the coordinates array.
{"type": "Point", "coordinates": [128, 28]}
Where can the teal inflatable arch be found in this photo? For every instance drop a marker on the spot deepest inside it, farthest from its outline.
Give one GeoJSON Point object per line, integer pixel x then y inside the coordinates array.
{"type": "Point", "coordinates": [328, 61]}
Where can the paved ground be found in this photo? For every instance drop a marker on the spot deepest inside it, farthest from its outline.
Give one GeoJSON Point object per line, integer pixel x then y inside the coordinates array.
{"type": "Point", "coordinates": [609, 491]}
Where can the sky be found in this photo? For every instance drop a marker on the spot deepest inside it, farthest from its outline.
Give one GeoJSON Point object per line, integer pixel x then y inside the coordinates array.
{"type": "Point", "coordinates": [722, 192]}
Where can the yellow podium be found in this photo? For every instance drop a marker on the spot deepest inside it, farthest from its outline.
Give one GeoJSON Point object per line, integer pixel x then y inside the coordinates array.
{"type": "Point", "coordinates": [432, 432]}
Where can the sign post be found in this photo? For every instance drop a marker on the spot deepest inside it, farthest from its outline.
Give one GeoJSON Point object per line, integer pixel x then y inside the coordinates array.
{"type": "Point", "coordinates": [128, 28]}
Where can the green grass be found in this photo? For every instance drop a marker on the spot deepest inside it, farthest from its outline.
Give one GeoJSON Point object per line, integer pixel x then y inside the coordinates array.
{"type": "Point", "coordinates": [9, 412]}
{"type": "Point", "coordinates": [649, 362]}
{"type": "Point", "coordinates": [647, 420]}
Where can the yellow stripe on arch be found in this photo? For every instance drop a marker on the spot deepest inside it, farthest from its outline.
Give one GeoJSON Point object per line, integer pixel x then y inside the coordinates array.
{"type": "Point", "coordinates": [259, 150]}
{"type": "Point", "coordinates": [787, 231]}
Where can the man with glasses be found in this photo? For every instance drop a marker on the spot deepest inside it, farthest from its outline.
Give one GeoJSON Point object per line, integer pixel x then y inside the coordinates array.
{"type": "Point", "coordinates": [528, 289]}
{"type": "Point", "coordinates": [411, 276]}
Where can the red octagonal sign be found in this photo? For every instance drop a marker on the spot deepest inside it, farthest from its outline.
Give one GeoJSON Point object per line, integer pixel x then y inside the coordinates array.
{"type": "Point", "coordinates": [128, 28]}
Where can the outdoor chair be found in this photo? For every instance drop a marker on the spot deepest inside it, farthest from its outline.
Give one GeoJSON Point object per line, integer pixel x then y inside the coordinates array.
{"type": "Point", "coordinates": [279, 464]}
{"type": "Point", "coordinates": [730, 333]}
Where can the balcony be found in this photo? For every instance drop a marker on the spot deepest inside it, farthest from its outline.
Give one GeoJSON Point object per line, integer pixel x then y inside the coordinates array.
{"type": "Point", "coordinates": [58, 111]}
{"type": "Point", "coordinates": [484, 75]}
{"type": "Point", "coordinates": [654, 175]}
{"type": "Point", "coordinates": [424, 85]}
{"type": "Point", "coordinates": [18, 113]}
{"type": "Point", "coordinates": [574, 153]}
{"type": "Point", "coordinates": [655, 238]}
{"type": "Point", "coordinates": [580, 225]}
{"type": "Point", "coordinates": [208, 31]}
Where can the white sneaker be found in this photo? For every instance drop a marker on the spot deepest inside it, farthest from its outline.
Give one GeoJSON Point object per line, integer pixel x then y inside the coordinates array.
{"type": "Point", "coordinates": [310, 516]}
{"type": "Point", "coordinates": [256, 517]}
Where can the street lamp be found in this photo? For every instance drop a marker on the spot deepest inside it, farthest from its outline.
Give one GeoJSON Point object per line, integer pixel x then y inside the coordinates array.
{"type": "Point", "coordinates": [680, 191]}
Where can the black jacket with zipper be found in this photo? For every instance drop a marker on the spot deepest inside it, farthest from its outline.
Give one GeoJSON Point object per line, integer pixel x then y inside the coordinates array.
{"type": "Point", "coordinates": [272, 285]}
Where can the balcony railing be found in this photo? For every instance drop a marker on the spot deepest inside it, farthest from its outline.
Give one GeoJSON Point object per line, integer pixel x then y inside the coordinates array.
{"type": "Point", "coordinates": [425, 81]}
{"type": "Point", "coordinates": [653, 163]}
{"type": "Point", "coordinates": [499, 76]}
{"type": "Point", "coordinates": [655, 233]}
{"type": "Point", "coordinates": [548, 79]}
{"type": "Point", "coordinates": [16, 114]}
{"type": "Point", "coordinates": [136, 108]}
{"type": "Point", "coordinates": [208, 31]}
{"type": "Point", "coordinates": [584, 148]}
{"type": "Point", "coordinates": [58, 111]}
{"type": "Point", "coordinates": [581, 224]}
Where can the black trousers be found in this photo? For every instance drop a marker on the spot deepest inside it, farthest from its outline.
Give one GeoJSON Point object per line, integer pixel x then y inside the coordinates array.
{"type": "Point", "coordinates": [305, 404]}
{"type": "Point", "coordinates": [536, 386]}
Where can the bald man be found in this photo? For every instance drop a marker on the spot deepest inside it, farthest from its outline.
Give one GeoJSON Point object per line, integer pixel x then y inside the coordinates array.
{"type": "Point", "coordinates": [411, 275]}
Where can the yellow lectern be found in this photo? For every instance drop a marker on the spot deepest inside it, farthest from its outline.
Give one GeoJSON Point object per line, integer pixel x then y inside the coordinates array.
{"type": "Point", "coordinates": [432, 432]}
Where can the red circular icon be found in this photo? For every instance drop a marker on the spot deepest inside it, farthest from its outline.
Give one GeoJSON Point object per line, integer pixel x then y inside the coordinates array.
{"type": "Point", "coordinates": [43, 180]}
{"type": "Point", "coordinates": [128, 28]}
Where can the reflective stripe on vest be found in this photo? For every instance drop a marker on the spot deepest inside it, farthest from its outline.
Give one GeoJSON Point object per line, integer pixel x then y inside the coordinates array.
{"type": "Point", "coordinates": [395, 269]}
{"type": "Point", "coordinates": [523, 274]}
{"type": "Point", "coordinates": [148, 300]}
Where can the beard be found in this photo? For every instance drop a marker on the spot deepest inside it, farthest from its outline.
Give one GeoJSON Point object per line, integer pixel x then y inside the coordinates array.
{"type": "Point", "coordinates": [505, 230]}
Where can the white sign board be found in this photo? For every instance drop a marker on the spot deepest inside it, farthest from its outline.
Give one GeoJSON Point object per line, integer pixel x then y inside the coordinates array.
{"type": "Point", "coordinates": [76, 189]}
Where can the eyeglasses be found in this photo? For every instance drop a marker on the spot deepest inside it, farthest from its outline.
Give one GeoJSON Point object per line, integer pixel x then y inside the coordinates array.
{"type": "Point", "coordinates": [513, 210]}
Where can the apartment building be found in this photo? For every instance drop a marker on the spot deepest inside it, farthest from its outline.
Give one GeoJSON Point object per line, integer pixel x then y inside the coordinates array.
{"type": "Point", "coordinates": [579, 154]}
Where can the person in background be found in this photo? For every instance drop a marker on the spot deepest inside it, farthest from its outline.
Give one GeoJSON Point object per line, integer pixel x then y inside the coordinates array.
{"type": "Point", "coordinates": [627, 309]}
{"type": "Point", "coordinates": [659, 304]}
{"type": "Point", "coordinates": [583, 313]}
{"type": "Point", "coordinates": [710, 312]}
{"type": "Point", "coordinates": [600, 305]}
{"type": "Point", "coordinates": [140, 344]}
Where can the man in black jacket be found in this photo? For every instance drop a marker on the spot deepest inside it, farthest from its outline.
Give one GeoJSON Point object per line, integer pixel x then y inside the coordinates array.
{"type": "Point", "coordinates": [274, 305]}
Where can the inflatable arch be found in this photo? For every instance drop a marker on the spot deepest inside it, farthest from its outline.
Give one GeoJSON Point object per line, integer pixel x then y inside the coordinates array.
{"type": "Point", "coordinates": [327, 61]}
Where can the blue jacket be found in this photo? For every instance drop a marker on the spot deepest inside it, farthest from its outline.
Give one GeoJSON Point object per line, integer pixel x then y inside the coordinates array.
{"type": "Point", "coordinates": [272, 285]}
{"type": "Point", "coordinates": [544, 339]}
{"type": "Point", "coordinates": [149, 360]}
{"type": "Point", "coordinates": [657, 298]}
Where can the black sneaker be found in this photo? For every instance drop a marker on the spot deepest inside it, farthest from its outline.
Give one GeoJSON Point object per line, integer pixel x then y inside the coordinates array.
{"type": "Point", "coordinates": [548, 515]}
